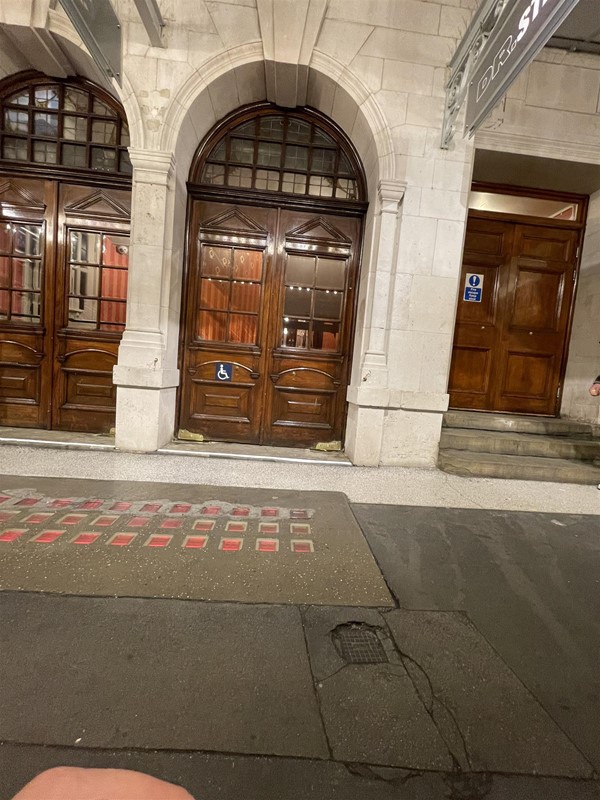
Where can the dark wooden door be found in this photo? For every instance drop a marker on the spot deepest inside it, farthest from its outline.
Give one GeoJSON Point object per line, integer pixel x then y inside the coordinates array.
{"type": "Point", "coordinates": [27, 209]}
{"type": "Point", "coordinates": [268, 324]}
{"type": "Point", "coordinates": [509, 347]}
{"type": "Point", "coordinates": [63, 288]}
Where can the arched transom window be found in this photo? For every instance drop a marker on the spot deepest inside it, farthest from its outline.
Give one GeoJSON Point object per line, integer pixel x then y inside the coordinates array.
{"type": "Point", "coordinates": [62, 124]}
{"type": "Point", "coordinates": [275, 151]}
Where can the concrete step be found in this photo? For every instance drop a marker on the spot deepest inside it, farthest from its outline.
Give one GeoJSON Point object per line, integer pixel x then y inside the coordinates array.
{"type": "Point", "coordinates": [495, 465]}
{"type": "Point", "coordinates": [544, 426]}
{"type": "Point", "coordinates": [520, 444]}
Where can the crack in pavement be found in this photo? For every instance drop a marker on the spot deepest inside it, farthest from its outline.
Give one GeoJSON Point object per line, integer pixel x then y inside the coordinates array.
{"type": "Point", "coordinates": [441, 715]}
{"type": "Point", "coordinates": [396, 777]}
{"type": "Point", "coordinates": [475, 786]}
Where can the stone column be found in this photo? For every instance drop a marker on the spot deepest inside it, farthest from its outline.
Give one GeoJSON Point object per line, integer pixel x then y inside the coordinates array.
{"type": "Point", "coordinates": [146, 374]}
{"type": "Point", "coordinates": [368, 394]}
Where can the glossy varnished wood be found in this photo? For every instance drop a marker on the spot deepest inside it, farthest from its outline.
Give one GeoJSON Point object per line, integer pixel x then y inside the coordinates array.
{"type": "Point", "coordinates": [509, 350]}
{"type": "Point", "coordinates": [278, 394]}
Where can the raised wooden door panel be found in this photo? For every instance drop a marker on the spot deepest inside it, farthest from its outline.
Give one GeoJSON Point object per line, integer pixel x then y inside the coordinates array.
{"type": "Point", "coordinates": [305, 404]}
{"type": "Point", "coordinates": [509, 349]}
{"type": "Point", "coordinates": [86, 396]}
{"type": "Point", "coordinates": [487, 251]}
{"type": "Point", "coordinates": [93, 257]}
{"type": "Point", "coordinates": [537, 311]}
{"type": "Point", "coordinates": [269, 304]}
{"type": "Point", "coordinates": [25, 302]}
{"type": "Point", "coordinates": [224, 361]}
{"type": "Point", "coordinates": [311, 327]}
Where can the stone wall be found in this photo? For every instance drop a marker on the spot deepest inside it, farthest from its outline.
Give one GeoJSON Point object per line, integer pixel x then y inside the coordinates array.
{"type": "Point", "coordinates": [378, 69]}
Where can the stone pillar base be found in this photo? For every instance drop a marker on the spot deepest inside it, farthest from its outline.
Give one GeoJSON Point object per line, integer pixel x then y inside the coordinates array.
{"type": "Point", "coordinates": [145, 418]}
{"type": "Point", "coordinates": [394, 427]}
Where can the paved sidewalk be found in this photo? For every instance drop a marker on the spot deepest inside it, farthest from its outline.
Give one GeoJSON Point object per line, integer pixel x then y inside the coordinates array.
{"type": "Point", "coordinates": [472, 675]}
{"type": "Point", "coordinates": [385, 485]}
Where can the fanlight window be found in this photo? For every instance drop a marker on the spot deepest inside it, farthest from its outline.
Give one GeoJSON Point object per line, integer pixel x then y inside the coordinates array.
{"type": "Point", "coordinates": [63, 125]}
{"type": "Point", "coordinates": [278, 152]}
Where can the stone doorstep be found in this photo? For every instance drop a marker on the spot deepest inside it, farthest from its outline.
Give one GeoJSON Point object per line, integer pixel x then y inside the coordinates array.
{"type": "Point", "coordinates": [520, 444]}
{"type": "Point", "coordinates": [513, 423]}
{"type": "Point", "coordinates": [494, 465]}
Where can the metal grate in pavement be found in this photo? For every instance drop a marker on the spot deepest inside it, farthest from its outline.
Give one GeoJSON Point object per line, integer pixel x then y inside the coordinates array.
{"type": "Point", "coordinates": [358, 643]}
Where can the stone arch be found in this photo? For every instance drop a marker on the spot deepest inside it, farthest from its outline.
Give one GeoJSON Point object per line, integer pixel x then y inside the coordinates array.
{"type": "Point", "coordinates": [227, 84]}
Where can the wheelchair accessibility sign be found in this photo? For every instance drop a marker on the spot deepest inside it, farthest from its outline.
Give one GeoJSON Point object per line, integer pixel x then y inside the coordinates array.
{"type": "Point", "coordinates": [223, 372]}
{"type": "Point", "coordinates": [473, 287]}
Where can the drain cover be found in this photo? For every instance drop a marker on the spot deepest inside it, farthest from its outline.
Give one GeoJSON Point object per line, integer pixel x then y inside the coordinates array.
{"type": "Point", "coordinates": [359, 644]}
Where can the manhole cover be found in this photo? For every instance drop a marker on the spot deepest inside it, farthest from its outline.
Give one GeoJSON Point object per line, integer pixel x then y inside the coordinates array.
{"type": "Point", "coordinates": [359, 644]}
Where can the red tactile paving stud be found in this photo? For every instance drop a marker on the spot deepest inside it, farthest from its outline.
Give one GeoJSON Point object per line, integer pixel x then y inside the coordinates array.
{"type": "Point", "coordinates": [151, 508]}
{"type": "Point", "coordinates": [204, 525]}
{"type": "Point", "coordinates": [211, 511]}
{"type": "Point", "coordinates": [269, 512]}
{"type": "Point", "coordinates": [240, 511]}
{"type": "Point", "coordinates": [122, 539]}
{"type": "Point", "coordinates": [105, 520]}
{"type": "Point", "coordinates": [138, 522]}
{"type": "Point", "coordinates": [6, 515]}
{"type": "Point", "coordinates": [38, 518]}
{"type": "Point", "coordinates": [28, 501]}
{"type": "Point", "coordinates": [86, 538]}
{"type": "Point", "coordinates": [60, 503]}
{"type": "Point", "coordinates": [172, 523]}
{"type": "Point", "coordinates": [298, 513]}
{"type": "Point", "coordinates": [268, 527]}
{"type": "Point", "coordinates": [121, 506]}
{"type": "Point", "coordinates": [299, 529]}
{"type": "Point", "coordinates": [302, 546]}
{"type": "Point", "coordinates": [267, 545]}
{"type": "Point", "coordinates": [180, 508]}
{"type": "Point", "coordinates": [195, 542]}
{"type": "Point", "coordinates": [12, 535]}
{"type": "Point", "coordinates": [236, 527]}
{"type": "Point", "coordinates": [90, 505]}
{"type": "Point", "coordinates": [72, 519]}
{"type": "Point", "coordinates": [4, 498]}
{"type": "Point", "coordinates": [231, 545]}
{"type": "Point", "coordinates": [47, 537]}
{"type": "Point", "coordinates": [156, 540]}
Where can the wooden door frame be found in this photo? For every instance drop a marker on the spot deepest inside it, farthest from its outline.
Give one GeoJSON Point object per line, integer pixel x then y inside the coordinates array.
{"type": "Point", "coordinates": [248, 199]}
{"type": "Point", "coordinates": [268, 199]}
{"type": "Point", "coordinates": [578, 225]}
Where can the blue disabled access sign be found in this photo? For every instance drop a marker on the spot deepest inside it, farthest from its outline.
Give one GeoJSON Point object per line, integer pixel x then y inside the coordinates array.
{"type": "Point", "coordinates": [473, 287]}
{"type": "Point", "coordinates": [223, 372]}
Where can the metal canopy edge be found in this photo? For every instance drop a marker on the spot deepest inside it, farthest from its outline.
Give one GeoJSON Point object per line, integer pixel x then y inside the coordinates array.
{"type": "Point", "coordinates": [501, 32]}
{"type": "Point", "coordinates": [153, 22]}
{"type": "Point", "coordinates": [519, 37]}
{"type": "Point", "coordinates": [99, 27]}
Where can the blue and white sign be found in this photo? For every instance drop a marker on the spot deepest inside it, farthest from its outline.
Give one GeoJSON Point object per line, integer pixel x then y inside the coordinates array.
{"type": "Point", "coordinates": [473, 287]}
{"type": "Point", "coordinates": [223, 372]}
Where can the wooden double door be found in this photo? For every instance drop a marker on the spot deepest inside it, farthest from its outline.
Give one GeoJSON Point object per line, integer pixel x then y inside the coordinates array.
{"type": "Point", "coordinates": [513, 319]}
{"type": "Point", "coordinates": [63, 288]}
{"type": "Point", "coordinates": [269, 307]}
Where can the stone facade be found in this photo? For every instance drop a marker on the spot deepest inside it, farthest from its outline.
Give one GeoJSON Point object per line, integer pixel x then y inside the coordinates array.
{"type": "Point", "coordinates": [378, 69]}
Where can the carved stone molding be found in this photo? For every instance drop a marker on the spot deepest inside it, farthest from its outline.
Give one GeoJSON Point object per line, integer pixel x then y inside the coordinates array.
{"type": "Point", "coordinates": [152, 166]}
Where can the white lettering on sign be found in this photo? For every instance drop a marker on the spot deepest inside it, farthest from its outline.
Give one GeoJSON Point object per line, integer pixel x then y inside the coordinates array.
{"type": "Point", "coordinates": [473, 290]}
{"type": "Point", "coordinates": [529, 15]}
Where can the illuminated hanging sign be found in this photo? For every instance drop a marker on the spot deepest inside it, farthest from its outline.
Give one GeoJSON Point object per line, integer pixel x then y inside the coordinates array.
{"type": "Point", "coordinates": [520, 34]}
{"type": "Point", "coordinates": [99, 27]}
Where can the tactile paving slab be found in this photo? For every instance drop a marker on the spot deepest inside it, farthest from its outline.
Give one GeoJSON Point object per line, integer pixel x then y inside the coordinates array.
{"type": "Point", "coordinates": [197, 542]}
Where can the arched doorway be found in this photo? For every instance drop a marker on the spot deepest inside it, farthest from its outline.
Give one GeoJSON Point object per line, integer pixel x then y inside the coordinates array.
{"type": "Point", "coordinates": [65, 199]}
{"type": "Point", "coordinates": [277, 200]}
